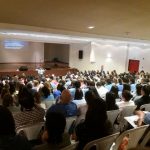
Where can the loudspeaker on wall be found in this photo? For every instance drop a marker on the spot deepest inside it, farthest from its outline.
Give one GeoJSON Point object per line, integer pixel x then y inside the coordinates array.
{"type": "Point", "coordinates": [80, 54]}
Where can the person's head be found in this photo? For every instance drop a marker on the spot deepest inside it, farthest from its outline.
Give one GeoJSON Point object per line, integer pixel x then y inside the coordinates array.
{"type": "Point", "coordinates": [26, 99]}
{"type": "Point", "coordinates": [65, 97]}
{"type": "Point", "coordinates": [126, 87]}
{"type": "Point", "coordinates": [132, 81]}
{"type": "Point", "coordinates": [120, 81]}
{"type": "Point", "coordinates": [94, 90]}
{"type": "Point", "coordinates": [145, 90]}
{"type": "Point", "coordinates": [4, 91]}
{"type": "Point", "coordinates": [60, 87]}
{"type": "Point", "coordinates": [29, 85]}
{"type": "Point", "coordinates": [7, 123]}
{"type": "Point", "coordinates": [45, 91]}
{"type": "Point", "coordinates": [37, 97]}
{"type": "Point", "coordinates": [110, 100]}
{"type": "Point", "coordinates": [77, 84]}
{"type": "Point", "coordinates": [35, 83]}
{"type": "Point", "coordinates": [126, 95]}
{"type": "Point", "coordinates": [7, 100]}
{"type": "Point", "coordinates": [114, 89]}
{"type": "Point", "coordinates": [96, 114]}
{"type": "Point", "coordinates": [55, 126]}
{"type": "Point", "coordinates": [78, 94]}
{"type": "Point", "coordinates": [138, 89]}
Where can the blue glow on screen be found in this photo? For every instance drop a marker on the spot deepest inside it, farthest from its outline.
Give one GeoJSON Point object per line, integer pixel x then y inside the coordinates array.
{"type": "Point", "coordinates": [14, 44]}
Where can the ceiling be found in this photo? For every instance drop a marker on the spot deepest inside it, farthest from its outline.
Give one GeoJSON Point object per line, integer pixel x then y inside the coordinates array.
{"type": "Point", "coordinates": [113, 18]}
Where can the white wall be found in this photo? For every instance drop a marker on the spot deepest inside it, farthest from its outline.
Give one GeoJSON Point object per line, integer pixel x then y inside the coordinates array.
{"type": "Point", "coordinates": [141, 53]}
{"type": "Point", "coordinates": [115, 60]}
{"type": "Point", "coordinates": [75, 62]}
{"type": "Point", "coordinates": [31, 52]}
{"type": "Point", "coordinates": [112, 55]}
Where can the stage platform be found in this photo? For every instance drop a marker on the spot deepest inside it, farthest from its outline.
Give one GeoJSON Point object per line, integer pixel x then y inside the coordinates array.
{"type": "Point", "coordinates": [55, 71]}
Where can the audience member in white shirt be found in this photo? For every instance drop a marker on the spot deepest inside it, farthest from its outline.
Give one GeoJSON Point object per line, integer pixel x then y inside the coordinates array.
{"type": "Point", "coordinates": [101, 89]}
{"type": "Point", "coordinates": [126, 100]}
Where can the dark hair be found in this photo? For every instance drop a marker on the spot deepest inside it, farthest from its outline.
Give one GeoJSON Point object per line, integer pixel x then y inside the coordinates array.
{"type": "Point", "coordinates": [7, 100]}
{"type": "Point", "coordinates": [138, 89]}
{"type": "Point", "coordinates": [26, 99]}
{"type": "Point", "coordinates": [126, 87]}
{"type": "Point", "coordinates": [114, 89]}
{"type": "Point", "coordinates": [46, 91]}
{"type": "Point", "coordinates": [7, 123]}
{"type": "Point", "coordinates": [126, 95]}
{"type": "Point", "coordinates": [132, 81]}
{"type": "Point", "coordinates": [94, 90]}
{"type": "Point", "coordinates": [12, 87]}
{"type": "Point", "coordinates": [96, 114]}
{"type": "Point", "coordinates": [111, 101]}
{"type": "Point", "coordinates": [60, 87]}
{"type": "Point", "coordinates": [146, 89]}
{"type": "Point", "coordinates": [120, 81]}
{"type": "Point", "coordinates": [55, 126]}
{"type": "Point", "coordinates": [78, 94]}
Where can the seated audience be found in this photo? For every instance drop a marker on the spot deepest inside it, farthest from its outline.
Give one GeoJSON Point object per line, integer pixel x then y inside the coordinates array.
{"type": "Point", "coordinates": [30, 113]}
{"type": "Point", "coordinates": [95, 125]}
{"type": "Point", "coordinates": [101, 89]}
{"type": "Point", "coordinates": [144, 118]}
{"type": "Point", "coordinates": [46, 94]}
{"type": "Point", "coordinates": [111, 101]}
{"type": "Point", "coordinates": [145, 99]}
{"type": "Point", "coordinates": [64, 105]}
{"type": "Point", "coordinates": [126, 100]}
{"type": "Point", "coordinates": [8, 102]}
{"type": "Point", "coordinates": [54, 137]}
{"type": "Point", "coordinates": [137, 95]}
{"type": "Point", "coordinates": [9, 140]}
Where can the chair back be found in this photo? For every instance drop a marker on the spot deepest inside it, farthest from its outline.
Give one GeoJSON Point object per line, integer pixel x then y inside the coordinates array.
{"type": "Point", "coordinates": [31, 131]}
{"type": "Point", "coordinates": [112, 115]}
{"type": "Point", "coordinates": [104, 143]}
{"type": "Point", "coordinates": [49, 103]}
{"type": "Point", "coordinates": [146, 107]}
{"type": "Point", "coordinates": [127, 111]}
{"type": "Point", "coordinates": [69, 122]}
{"type": "Point", "coordinates": [133, 136]}
{"type": "Point", "coordinates": [71, 147]}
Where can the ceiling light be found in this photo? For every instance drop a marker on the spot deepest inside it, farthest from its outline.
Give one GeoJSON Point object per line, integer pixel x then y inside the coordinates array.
{"type": "Point", "coordinates": [91, 27]}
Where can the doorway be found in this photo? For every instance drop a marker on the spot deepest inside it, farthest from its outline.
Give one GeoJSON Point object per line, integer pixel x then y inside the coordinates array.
{"type": "Point", "coordinates": [133, 66]}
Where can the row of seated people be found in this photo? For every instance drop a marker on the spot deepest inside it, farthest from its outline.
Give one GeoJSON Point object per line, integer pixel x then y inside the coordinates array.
{"type": "Point", "coordinates": [68, 108]}
{"type": "Point", "coordinates": [95, 125]}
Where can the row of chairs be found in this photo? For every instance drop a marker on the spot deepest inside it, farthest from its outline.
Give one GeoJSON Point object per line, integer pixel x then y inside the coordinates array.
{"type": "Point", "coordinates": [114, 141]}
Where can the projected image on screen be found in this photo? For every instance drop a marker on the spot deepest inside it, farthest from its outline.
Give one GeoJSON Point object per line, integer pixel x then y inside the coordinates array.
{"type": "Point", "coordinates": [14, 44]}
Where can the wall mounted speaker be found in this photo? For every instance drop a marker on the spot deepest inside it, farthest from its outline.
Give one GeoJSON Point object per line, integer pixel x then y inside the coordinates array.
{"type": "Point", "coordinates": [80, 54]}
